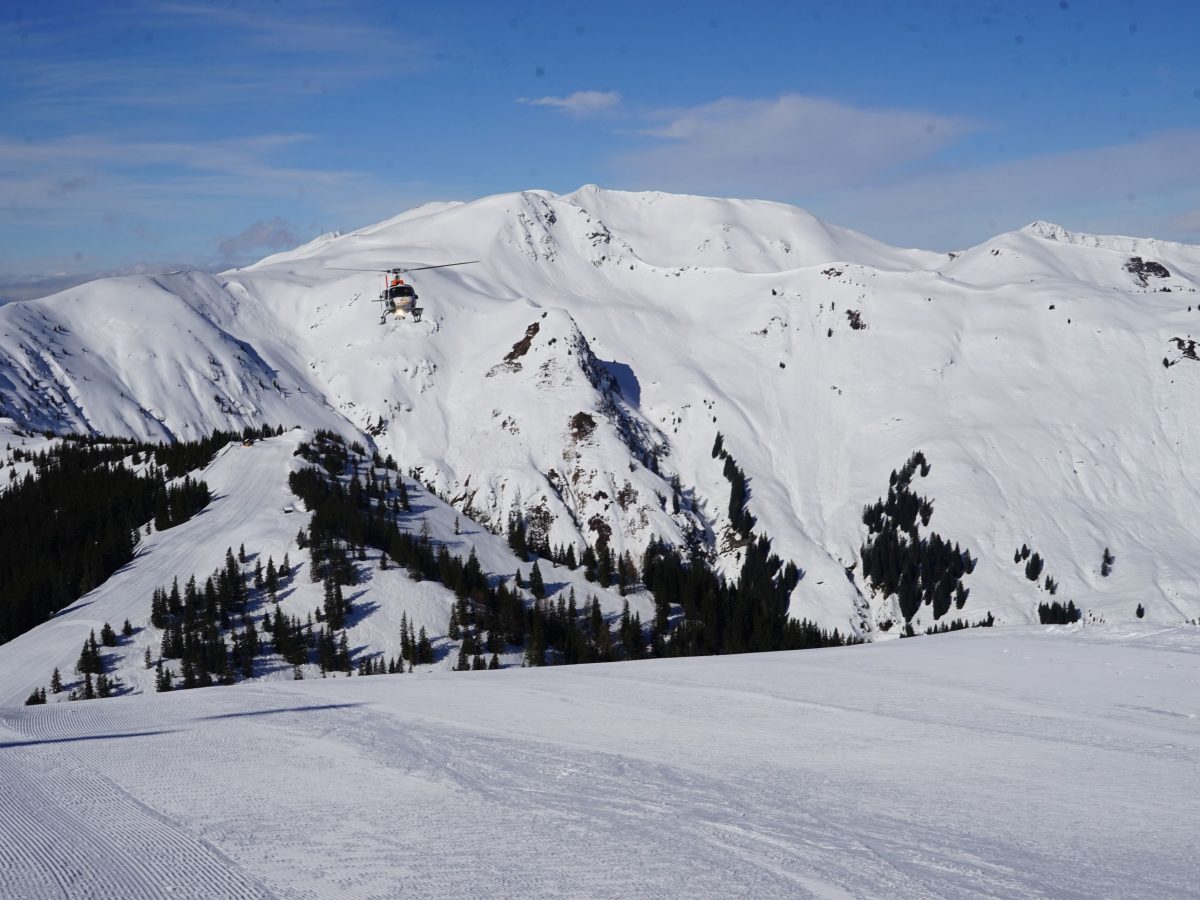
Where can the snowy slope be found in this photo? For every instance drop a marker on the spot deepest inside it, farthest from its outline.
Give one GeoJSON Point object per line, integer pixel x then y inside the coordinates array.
{"type": "Point", "coordinates": [1029, 369]}
{"type": "Point", "coordinates": [1001, 763]}
{"type": "Point", "coordinates": [253, 507]}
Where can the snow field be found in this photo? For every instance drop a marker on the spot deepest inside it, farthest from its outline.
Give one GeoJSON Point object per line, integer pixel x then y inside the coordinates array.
{"type": "Point", "coordinates": [1015, 763]}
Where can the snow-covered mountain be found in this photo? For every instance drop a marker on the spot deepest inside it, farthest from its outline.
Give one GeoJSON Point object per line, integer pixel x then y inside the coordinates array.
{"type": "Point", "coordinates": [253, 508]}
{"type": "Point", "coordinates": [581, 371]}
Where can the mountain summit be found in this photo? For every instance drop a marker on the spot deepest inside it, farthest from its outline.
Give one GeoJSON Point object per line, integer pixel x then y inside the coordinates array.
{"type": "Point", "coordinates": [579, 376]}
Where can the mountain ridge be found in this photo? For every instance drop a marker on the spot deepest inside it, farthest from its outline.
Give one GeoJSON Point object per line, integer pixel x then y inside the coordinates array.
{"type": "Point", "coordinates": [987, 360]}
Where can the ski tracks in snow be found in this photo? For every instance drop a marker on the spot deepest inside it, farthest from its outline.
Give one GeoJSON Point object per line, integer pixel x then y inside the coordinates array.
{"type": "Point", "coordinates": [1030, 771]}
{"type": "Point", "coordinates": [69, 831]}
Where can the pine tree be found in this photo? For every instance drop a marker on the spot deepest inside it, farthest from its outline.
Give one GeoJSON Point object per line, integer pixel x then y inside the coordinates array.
{"type": "Point", "coordinates": [271, 581]}
{"type": "Point", "coordinates": [56, 684]}
{"type": "Point", "coordinates": [162, 678]}
{"type": "Point", "coordinates": [605, 566]}
{"type": "Point", "coordinates": [535, 644]}
{"type": "Point", "coordinates": [424, 649]}
{"type": "Point", "coordinates": [187, 675]}
{"type": "Point", "coordinates": [127, 629]}
{"type": "Point", "coordinates": [536, 586]}
{"type": "Point", "coordinates": [406, 644]}
{"type": "Point", "coordinates": [158, 609]}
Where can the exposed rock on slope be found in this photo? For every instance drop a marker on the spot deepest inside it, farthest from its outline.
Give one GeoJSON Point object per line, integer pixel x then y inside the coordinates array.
{"type": "Point", "coordinates": [577, 376]}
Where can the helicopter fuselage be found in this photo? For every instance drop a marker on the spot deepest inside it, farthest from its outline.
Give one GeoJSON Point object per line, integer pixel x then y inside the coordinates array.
{"type": "Point", "coordinates": [401, 301]}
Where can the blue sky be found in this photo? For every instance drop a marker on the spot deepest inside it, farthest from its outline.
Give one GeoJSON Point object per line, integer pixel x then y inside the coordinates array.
{"type": "Point", "coordinates": [152, 133]}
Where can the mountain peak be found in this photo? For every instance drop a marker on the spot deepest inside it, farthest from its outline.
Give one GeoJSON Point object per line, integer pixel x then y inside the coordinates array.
{"type": "Point", "coordinates": [1049, 231]}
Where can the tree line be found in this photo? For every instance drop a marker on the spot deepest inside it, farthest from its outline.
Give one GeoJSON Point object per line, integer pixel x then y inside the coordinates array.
{"type": "Point", "coordinates": [898, 560]}
{"type": "Point", "coordinates": [68, 528]}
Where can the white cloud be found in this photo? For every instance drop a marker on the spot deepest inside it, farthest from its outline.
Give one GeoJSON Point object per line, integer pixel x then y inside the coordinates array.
{"type": "Point", "coordinates": [580, 103]}
{"type": "Point", "coordinates": [1187, 223]}
{"type": "Point", "coordinates": [32, 285]}
{"type": "Point", "coordinates": [879, 171]}
{"type": "Point", "coordinates": [783, 146]}
{"type": "Point", "coordinates": [84, 176]}
{"type": "Point", "coordinates": [272, 234]}
{"type": "Point", "coordinates": [236, 57]}
{"type": "Point", "coordinates": [1143, 187]}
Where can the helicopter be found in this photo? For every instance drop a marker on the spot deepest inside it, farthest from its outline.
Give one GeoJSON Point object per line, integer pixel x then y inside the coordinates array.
{"type": "Point", "coordinates": [399, 298]}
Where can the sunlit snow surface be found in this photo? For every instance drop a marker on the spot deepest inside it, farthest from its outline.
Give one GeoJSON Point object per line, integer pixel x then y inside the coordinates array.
{"type": "Point", "coordinates": [1002, 763]}
{"type": "Point", "coordinates": [1029, 369]}
{"type": "Point", "coordinates": [252, 507]}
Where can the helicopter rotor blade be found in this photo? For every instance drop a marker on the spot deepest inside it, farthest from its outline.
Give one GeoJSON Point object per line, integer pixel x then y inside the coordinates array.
{"type": "Point", "coordinates": [343, 269]}
{"type": "Point", "coordinates": [442, 266]}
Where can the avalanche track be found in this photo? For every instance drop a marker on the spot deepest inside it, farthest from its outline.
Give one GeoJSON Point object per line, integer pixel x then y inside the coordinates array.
{"type": "Point", "coordinates": [1014, 763]}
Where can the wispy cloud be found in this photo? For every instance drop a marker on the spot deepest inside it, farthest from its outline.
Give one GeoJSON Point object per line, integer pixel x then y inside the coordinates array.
{"type": "Point", "coordinates": [785, 145]}
{"type": "Point", "coordinates": [884, 170]}
{"type": "Point", "coordinates": [95, 192]}
{"type": "Point", "coordinates": [72, 171]}
{"type": "Point", "coordinates": [291, 29]}
{"type": "Point", "coordinates": [580, 103]}
{"type": "Point", "coordinates": [1186, 223]}
{"type": "Point", "coordinates": [30, 286]}
{"type": "Point", "coordinates": [193, 57]}
{"type": "Point", "coordinates": [1135, 187]}
{"type": "Point", "coordinates": [272, 234]}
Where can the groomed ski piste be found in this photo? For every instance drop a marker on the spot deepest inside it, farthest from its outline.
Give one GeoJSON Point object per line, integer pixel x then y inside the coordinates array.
{"type": "Point", "coordinates": [1008, 762]}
